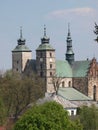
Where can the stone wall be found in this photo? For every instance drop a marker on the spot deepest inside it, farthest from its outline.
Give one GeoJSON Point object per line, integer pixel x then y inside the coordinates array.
{"type": "Point", "coordinates": [19, 60]}
{"type": "Point", "coordinates": [25, 57]}
{"type": "Point", "coordinates": [81, 84]}
{"type": "Point", "coordinates": [93, 88]}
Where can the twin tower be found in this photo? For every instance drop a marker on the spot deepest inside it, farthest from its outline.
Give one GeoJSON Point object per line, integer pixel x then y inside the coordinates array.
{"type": "Point", "coordinates": [45, 63]}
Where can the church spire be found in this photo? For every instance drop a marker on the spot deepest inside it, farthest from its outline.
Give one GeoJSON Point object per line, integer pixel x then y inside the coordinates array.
{"type": "Point", "coordinates": [69, 51]}
{"type": "Point", "coordinates": [45, 39]}
{"type": "Point", "coordinates": [69, 40]}
{"type": "Point", "coordinates": [68, 29]}
{"type": "Point", "coordinates": [21, 41]}
{"type": "Point", "coordinates": [21, 32]}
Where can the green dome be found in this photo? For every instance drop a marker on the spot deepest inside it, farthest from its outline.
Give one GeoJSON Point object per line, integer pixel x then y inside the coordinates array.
{"type": "Point", "coordinates": [21, 48]}
{"type": "Point", "coordinates": [45, 47]}
{"type": "Point", "coordinates": [69, 52]}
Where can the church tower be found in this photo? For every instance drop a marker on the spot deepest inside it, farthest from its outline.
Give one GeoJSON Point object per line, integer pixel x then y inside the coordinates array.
{"type": "Point", "coordinates": [69, 52]}
{"type": "Point", "coordinates": [45, 61]}
{"type": "Point", "coordinates": [20, 55]}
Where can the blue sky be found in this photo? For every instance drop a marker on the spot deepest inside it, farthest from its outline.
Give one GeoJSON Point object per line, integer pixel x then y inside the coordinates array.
{"type": "Point", "coordinates": [55, 14]}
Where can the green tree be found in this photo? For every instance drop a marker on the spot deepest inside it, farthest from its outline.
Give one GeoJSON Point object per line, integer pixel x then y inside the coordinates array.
{"type": "Point", "coordinates": [89, 117]}
{"type": "Point", "coordinates": [49, 116]}
{"type": "Point", "coordinates": [96, 32]}
{"type": "Point", "coordinates": [18, 91]}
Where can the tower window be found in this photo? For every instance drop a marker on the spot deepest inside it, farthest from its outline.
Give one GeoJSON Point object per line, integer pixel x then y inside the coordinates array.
{"type": "Point", "coordinates": [17, 69]}
{"type": "Point", "coordinates": [50, 66]}
{"type": "Point", "coordinates": [50, 54]}
{"type": "Point", "coordinates": [50, 73]}
{"type": "Point", "coordinates": [17, 61]}
{"type": "Point", "coordinates": [41, 66]}
{"type": "Point", "coordinates": [41, 74]}
{"type": "Point", "coordinates": [41, 54]}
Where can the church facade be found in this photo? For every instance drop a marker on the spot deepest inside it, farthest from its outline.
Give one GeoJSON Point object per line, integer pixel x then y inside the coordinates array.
{"type": "Point", "coordinates": [81, 75]}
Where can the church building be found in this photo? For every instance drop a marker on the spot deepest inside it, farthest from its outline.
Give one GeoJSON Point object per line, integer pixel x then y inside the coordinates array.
{"type": "Point", "coordinates": [81, 75]}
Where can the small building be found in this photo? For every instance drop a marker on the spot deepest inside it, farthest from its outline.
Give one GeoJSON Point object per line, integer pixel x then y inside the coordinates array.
{"type": "Point", "coordinates": [67, 105]}
{"type": "Point", "coordinates": [69, 98]}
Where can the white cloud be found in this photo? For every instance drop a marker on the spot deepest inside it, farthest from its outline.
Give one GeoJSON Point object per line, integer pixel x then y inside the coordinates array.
{"type": "Point", "coordinates": [76, 11]}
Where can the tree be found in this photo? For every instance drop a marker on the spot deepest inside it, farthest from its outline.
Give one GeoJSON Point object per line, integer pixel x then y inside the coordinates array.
{"type": "Point", "coordinates": [56, 81]}
{"type": "Point", "coordinates": [89, 117]}
{"type": "Point", "coordinates": [48, 116]}
{"type": "Point", "coordinates": [18, 91]}
{"type": "Point", "coordinates": [2, 113]}
{"type": "Point", "coordinates": [96, 32]}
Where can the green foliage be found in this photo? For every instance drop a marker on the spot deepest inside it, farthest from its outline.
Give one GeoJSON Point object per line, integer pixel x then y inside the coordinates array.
{"type": "Point", "coordinates": [89, 117]}
{"type": "Point", "coordinates": [49, 116]}
{"type": "Point", "coordinates": [2, 113]}
{"type": "Point", "coordinates": [19, 91]}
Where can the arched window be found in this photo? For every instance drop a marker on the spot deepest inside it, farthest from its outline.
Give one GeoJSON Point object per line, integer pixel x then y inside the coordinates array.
{"type": "Point", "coordinates": [50, 73]}
{"type": "Point", "coordinates": [17, 61]}
{"type": "Point", "coordinates": [41, 54]}
{"type": "Point", "coordinates": [94, 92]}
{"type": "Point", "coordinates": [50, 66]}
{"type": "Point", "coordinates": [63, 84]}
{"type": "Point", "coordinates": [50, 54]}
{"type": "Point", "coordinates": [41, 66]}
{"type": "Point", "coordinates": [69, 84]}
{"type": "Point", "coordinates": [41, 74]}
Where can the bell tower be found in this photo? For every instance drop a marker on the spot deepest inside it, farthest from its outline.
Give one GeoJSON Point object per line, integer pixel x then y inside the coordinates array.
{"type": "Point", "coordinates": [69, 51]}
{"type": "Point", "coordinates": [45, 61]}
{"type": "Point", "coordinates": [20, 55]}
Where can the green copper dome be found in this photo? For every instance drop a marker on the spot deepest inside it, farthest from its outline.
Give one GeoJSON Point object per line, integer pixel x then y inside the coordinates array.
{"type": "Point", "coordinates": [21, 48]}
{"type": "Point", "coordinates": [45, 47]}
{"type": "Point", "coordinates": [45, 42]}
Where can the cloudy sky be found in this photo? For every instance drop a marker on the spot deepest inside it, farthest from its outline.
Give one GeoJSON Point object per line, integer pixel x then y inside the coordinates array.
{"type": "Point", "coordinates": [55, 14]}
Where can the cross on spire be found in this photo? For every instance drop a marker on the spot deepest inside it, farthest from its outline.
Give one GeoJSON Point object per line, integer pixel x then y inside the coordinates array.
{"type": "Point", "coordinates": [45, 39]}
{"type": "Point", "coordinates": [68, 29]}
{"type": "Point", "coordinates": [44, 30]}
{"type": "Point", "coordinates": [21, 32]}
{"type": "Point", "coordinates": [21, 41]}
